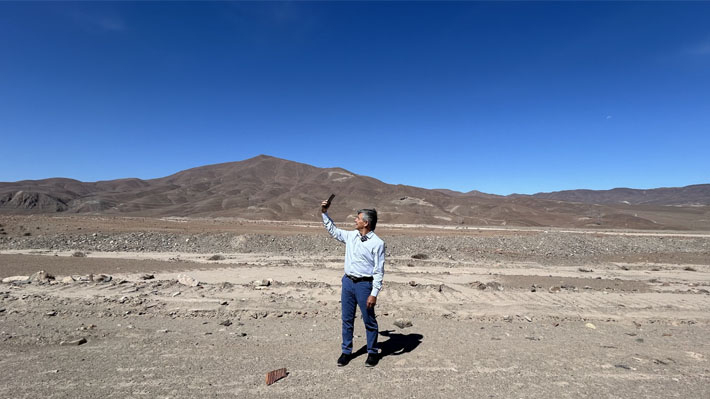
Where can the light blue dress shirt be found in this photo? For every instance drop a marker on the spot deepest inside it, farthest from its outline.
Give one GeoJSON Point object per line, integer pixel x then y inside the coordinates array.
{"type": "Point", "coordinates": [362, 258]}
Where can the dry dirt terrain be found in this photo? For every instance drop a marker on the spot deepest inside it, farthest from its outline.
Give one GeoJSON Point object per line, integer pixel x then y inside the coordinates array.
{"type": "Point", "coordinates": [182, 308]}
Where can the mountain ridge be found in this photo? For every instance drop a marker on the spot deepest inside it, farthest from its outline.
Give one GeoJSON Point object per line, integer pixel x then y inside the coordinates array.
{"type": "Point", "coordinates": [270, 188]}
{"type": "Point", "coordinates": [695, 194]}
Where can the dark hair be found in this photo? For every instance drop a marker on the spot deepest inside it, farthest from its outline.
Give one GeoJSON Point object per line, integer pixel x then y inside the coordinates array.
{"type": "Point", "coordinates": [369, 215]}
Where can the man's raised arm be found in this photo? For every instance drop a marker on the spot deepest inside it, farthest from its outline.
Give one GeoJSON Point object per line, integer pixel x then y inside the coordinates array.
{"type": "Point", "coordinates": [328, 223]}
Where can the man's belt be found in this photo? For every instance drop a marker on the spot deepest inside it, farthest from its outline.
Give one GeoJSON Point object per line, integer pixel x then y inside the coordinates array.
{"type": "Point", "coordinates": [358, 279]}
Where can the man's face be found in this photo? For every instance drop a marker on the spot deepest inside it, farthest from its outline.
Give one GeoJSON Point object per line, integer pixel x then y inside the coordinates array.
{"type": "Point", "coordinates": [359, 223]}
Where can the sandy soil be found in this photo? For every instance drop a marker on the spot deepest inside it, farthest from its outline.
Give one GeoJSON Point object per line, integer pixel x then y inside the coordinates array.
{"type": "Point", "coordinates": [507, 327]}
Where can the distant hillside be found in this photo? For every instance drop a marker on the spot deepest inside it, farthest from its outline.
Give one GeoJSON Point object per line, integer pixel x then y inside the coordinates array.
{"type": "Point", "coordinates": [698, 194]}
{"type": "Point", "coordinates": [268, 188]}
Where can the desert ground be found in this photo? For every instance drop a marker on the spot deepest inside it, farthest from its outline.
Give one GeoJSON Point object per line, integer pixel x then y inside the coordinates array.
{"type": "Point", "coordinates": [182, 308]}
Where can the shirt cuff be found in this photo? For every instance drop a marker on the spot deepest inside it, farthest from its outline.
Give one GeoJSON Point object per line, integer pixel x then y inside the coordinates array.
{"type": "Point", "coordinates": [374, 292]}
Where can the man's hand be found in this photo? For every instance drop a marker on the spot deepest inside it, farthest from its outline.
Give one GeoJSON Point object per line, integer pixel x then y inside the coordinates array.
{"type": "Point", "coordinates": [326, 204]}
{"type": "Point", "coordinates": [371, 301]}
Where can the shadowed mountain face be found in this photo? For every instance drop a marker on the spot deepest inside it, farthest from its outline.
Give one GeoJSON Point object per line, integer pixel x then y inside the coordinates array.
{"type": "Point", "coordinates": [268, 188]}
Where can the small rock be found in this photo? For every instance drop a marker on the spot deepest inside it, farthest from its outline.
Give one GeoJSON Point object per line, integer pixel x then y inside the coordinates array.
{"type": "Point", "coordinates": [14, 279]}
{"type": "Point", "coordinates": [78, 254]}
{"type": "Point", "coordinates": [413, 283]}
{"type": "Point", "coordinates": [216, 257]}
{"type": "Point", "coordinates": [590, 325]}
{"type": "Point", "coordinates": [261, 283]}
{"type": "Point", "coordinates": [225, 323]}
{"type": "Point", "coordinates": [89, 327]}
{"type": "Point", "coordinates": [224, 303]}
{"type": "Point", "coordinates": [554, 289]}
{"type": "Point", "coordinates": [495, 285]}
{"type": "Point", "coordinates": [259, 314]}
{"type": "Point", "coordinates": [583, 270]}
{"type": "Point", "coordinates": [101, 278]}
{"type": "Point", "coordinates": [146, 276]}
{"type": "Point", "coordinates": [184, 279]}
{"type": "Point", "coordinates": [51, 313]}
{"type": "Point", "coordinates": [68, 280]}
{"type": "Point", "coordinates": [403, 323]}
{"type": "Point", "coordinates": [175, 294]}
{"type": "Point", "coordinates": [41, 277]}
{"type": "Point", "coordinates": [164, 331]}
{"type": "Point", "coordinates": [528, 319]}
{"type": "Point", "coordinates": [76, 342]}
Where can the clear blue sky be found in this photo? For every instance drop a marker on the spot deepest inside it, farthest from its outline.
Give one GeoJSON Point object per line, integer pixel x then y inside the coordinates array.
{"type": "Point", "coordinates": [497, 97]}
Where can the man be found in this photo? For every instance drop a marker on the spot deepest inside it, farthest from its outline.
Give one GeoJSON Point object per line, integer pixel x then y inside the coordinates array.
{"type": "Point", "coordinates": [364, 269]}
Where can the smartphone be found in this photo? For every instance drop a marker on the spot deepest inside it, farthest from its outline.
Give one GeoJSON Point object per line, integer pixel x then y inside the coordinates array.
{"type": "Point", "coordinates": [330, 200]}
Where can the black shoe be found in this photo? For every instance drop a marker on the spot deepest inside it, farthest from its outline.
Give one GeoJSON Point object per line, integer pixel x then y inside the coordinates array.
{"type": "Point", "coordinates": [372, 359]}
{"type": "Point", "coordinates": [343, 359]}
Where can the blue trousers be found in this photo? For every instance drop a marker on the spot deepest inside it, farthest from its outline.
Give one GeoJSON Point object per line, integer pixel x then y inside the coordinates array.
{"type": "Point", "coordinates": [352, 296]}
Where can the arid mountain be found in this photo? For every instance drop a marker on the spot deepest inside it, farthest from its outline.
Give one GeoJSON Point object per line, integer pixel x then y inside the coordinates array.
{"type": "Point", "coordinates": [270, 188]}
{"type": "Point", "coordinates": [698, 194]}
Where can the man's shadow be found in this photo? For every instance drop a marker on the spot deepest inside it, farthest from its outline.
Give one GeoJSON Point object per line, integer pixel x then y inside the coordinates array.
{"type": "Point", "coordinates": [397, 344]}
